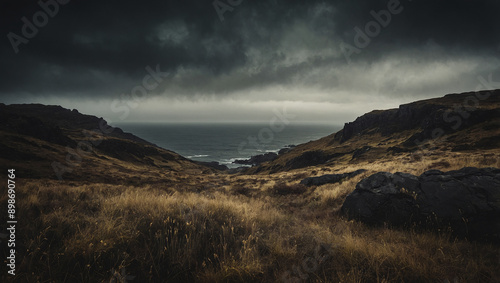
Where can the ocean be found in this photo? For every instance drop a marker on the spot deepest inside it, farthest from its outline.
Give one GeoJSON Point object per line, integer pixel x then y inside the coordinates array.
{"type": "Point", "coordinates": [225, 143]}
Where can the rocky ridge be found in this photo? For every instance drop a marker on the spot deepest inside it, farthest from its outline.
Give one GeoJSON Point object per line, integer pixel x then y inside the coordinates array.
{"type": "Point", "coordinates": [444, 122]}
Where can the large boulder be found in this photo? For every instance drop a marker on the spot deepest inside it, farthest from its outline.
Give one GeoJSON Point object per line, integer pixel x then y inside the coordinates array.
{"type": "Point", "coordinates": [467, 201]}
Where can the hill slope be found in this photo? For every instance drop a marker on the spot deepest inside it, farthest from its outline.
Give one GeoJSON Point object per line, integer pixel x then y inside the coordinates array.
{"type": "Point", "coordinates": [54, 142]}
{"type": "Point", "coordinates": [454, 123]}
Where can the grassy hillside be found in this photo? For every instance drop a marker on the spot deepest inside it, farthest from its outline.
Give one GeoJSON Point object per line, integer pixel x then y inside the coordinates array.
{"type": "Point", "coordinates": [57, 143]}
{"type": "Point", "coordinates": [229, 229]}
{"type": "Point", "coordinates": [456, 124]}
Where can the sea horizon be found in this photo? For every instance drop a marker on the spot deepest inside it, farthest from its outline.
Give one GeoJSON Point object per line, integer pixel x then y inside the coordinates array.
{"type": "Point", "coordinates": [226, 142]}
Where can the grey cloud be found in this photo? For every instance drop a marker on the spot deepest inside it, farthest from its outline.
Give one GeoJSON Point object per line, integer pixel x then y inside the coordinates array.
{"type": "Point", "coordinates": [99, 49]}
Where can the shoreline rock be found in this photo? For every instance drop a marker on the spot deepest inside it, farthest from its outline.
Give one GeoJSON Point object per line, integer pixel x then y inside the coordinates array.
{"type": "Point", "coordinates": [261, 158]}
{"type": "Point", "coordinates": [257, 159]}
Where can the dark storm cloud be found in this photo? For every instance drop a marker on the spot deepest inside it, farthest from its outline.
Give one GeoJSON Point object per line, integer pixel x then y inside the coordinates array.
{"type": "Point", "coordinates": [101, 48]}
{"type": "Point", "coordinates": [462, 22]}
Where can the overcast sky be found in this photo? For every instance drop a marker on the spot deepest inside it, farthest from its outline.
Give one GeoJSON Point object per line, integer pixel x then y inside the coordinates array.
{"type": "Point", "coordinates": [244, 60]}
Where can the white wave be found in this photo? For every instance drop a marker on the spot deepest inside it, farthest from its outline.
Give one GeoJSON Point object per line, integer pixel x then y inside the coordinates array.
{"type": "Point", "coordinates": [198, 156]}
{"type": "Point", "coordinates": [228, 161]}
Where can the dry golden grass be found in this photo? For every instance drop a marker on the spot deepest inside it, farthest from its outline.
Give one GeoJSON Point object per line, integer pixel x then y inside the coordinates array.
{"type": "Point", "coordinates": [235, 228]}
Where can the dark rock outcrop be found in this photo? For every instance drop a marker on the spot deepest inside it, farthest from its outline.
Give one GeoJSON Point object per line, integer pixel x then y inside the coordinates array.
{"type": "Point", "coordinates": [466, 200]}
{"type": "Point", "coordinates": [286, 149]}
{"type": "Point", "coordinates": [258, 159]}
{"type": "Point", "coordinates": [425, 115]}
{"type": "Point", "coordinates": [261, 158]}
{"type": "Point", "coordinates": [330, 178]}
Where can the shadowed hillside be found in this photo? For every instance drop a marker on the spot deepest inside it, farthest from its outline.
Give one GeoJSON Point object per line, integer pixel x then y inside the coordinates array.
{"type": "Point", "coordinates": [53, 142]}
